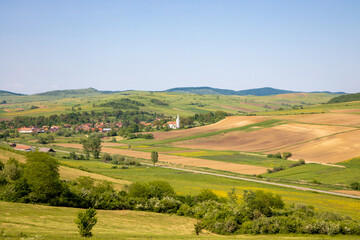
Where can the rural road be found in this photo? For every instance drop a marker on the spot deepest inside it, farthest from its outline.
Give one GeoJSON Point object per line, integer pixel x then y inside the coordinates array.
{"type": "Point", "coordinates": [254, 180]}
{"type": "Point", "coordinates": [258, 181]}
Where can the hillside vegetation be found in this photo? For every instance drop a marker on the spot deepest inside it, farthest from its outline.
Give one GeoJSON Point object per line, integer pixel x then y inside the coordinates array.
{"type": "Point", "coordinates": [346, 98]}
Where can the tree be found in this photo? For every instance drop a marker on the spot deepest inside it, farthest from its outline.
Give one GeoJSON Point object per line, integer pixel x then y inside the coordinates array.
{"type": "Point", "coordinates": [154, 157]}
{"type": "Point", "coordinates": [355, 185]}
{"type": "Point", "coordinates": [92, 144]}
{"type": "Point", "coordinates": [286, 155]}
{"type": "Point", "coordinates": [86, 220]}
{"type": "Point", "coordinates": [42, 175]}
{"type": "Point", "coordinates": [12, 169]}
{"type": "Point", "coordinates": [261, 202]}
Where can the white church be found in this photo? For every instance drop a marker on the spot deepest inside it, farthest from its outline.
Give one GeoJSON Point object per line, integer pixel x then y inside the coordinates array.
{"type": "Point", "coordinates": [174, 124]}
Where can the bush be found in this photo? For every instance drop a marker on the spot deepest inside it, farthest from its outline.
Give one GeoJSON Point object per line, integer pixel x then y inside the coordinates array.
{"type": "Point", "coordinates": [107, 157]}
{"type": "Point", "coordinates": [86, 220]}
{"type": "Point", "coordinates": [73, 155]}
{"type": "Point", "coordinates": [276, 155]}
{"type": "Point", "coordinates": [286, 155]}
{"type": "Point", "coordinates": [355, 186]}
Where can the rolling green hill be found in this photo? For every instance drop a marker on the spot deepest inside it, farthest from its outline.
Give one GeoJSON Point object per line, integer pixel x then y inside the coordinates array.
{"type": "Point", "coordinates": [345, 98]}
{"type": "Point", "coordinates": [7, 93]}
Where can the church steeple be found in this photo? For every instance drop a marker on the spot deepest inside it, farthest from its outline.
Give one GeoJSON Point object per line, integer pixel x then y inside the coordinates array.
{"type": "Point", "coordinates": [177, 122]}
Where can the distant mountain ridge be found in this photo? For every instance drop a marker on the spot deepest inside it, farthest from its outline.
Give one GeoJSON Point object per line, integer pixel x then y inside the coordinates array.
{"type": "Point", "coordinates": [8, 93]}
{"type": "Point", "coordinates": [265, 91]}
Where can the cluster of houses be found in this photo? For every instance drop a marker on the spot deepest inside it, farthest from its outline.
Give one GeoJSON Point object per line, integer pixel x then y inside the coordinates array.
{"type": "Point", "coordinates": [39, 130]}
{"type": "Point", "coordinates": [99, 127]}
{"type": "Point", "coordinates": [26, 148]}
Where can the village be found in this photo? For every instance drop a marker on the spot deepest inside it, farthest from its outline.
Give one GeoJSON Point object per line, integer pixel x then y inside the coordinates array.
{"type": "Point", "coordinates": [103, 127]}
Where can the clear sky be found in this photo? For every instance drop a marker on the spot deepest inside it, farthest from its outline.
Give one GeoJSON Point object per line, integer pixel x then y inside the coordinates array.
{"type": "Point", "coordinates": [302, 45]}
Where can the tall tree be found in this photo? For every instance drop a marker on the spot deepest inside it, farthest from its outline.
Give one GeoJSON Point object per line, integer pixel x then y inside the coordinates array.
{"type": "Point", "coordinates": [154, 157]}
{"type": "Point", "coordinates": [42, 175]}
{"type": "Point", "coordinates": [92, 144]}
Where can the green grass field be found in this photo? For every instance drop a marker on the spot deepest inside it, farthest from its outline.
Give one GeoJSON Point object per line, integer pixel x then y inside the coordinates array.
{"type": "Point", "coordinates": [25, 221]}
{"type": "Point", "coordinates": [191, 183]}
{"type": "Point", "coordinates": [321, 173]}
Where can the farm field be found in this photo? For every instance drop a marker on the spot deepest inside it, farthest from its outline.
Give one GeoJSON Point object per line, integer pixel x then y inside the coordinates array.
{"type": "Point", "coordinates": [191, 183]}
{"type": "Point", "coordinates": [232, 167]}
{"type": "Point", "coordinates": [177, 103]}
{"type": "Point", "coordinates": [25, 221]}
{"type": "Point", "coordinates": [228, 123]}
{"type": "Point", "coordinates": [265, 139]}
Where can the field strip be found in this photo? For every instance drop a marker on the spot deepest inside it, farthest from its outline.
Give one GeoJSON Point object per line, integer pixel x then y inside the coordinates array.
{"type": "Point", "coordinates": [315, 139]}
{"type": "Point", "coordinates": [258, 181]}
{"type": "Point", "coordinates": [197, 162]}
{"type": "Point", "coordinates": [265, 123]}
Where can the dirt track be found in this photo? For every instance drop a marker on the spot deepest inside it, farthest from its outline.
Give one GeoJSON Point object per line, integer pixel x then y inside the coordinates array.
{"type": "Point", "coordinates": [229, 122]}
{"type": "Point", "coordinates": [231, 167]}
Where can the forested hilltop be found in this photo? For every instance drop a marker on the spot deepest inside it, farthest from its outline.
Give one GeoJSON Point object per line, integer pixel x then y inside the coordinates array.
{"type": "Point", "coordinates": [346, 98]}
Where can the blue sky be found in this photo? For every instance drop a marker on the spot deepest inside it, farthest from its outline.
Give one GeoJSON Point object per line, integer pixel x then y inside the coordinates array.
{"type": "Point", "coordinates": [155, 45]}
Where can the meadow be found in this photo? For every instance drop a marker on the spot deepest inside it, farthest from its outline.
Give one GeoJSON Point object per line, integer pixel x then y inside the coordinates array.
{"type": "Point", "coordinates": [24, 221]}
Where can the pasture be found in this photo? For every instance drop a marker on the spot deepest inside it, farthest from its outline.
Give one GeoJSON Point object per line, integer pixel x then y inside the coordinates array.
{"type": "Point", "coordinates": [25, 221]}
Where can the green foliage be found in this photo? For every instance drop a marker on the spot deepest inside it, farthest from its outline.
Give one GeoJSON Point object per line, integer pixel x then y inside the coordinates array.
{"type": "Point", "coordinates": [12, 169]}
{"type": "Point", "coordinates": [123, 103]}
{"type": "Point", "coordinates": [276, 155]}
{"type": "Point", "coordinates": [345, 98]}
{"type": "Point", "coordinates": [45, 139]}
{"type": "Point", "coordinates": [154, 189]}
{"type": "Point", "coordinates": [260, 202]}
{"type": "Point", "coordinates": [117, 159]}
{"type": "Point", "coordinates": [92, 144]}
{"type": "Point", "coordinates": [72, 155]}
{"type": "Point", "coordinates": [286, 155]}
{"type": "Point", "coordinates": [158, 102]}
{"type": "Point", "coordinates": [85, 221]}
{"type": "Point", "coordinates": [206, 195]}
{"type": "Point", "coordinates": [107, 157]}
{"type": "Point", "coordinates": [198, 227]}
{"type": "Point", "coordinates": [355, 185]}
{"type": "Point", "coordinates": [154, 157]}
{"type": "Point", "coordinates": [42, 175]}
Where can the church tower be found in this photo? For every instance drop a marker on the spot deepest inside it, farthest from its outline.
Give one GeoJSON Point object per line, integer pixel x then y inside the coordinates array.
{"type": "Point", "coordinates": [177, 122]}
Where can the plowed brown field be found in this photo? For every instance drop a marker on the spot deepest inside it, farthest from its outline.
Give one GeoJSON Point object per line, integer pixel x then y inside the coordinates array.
{"type": "Point", "coordinates": [326, 118]}
{"type": "Point", "coordinates": [263, 139]}
{"type": "Point", "coordinates": [331, 149]}
{"type": "Point", "coordinates": [229, 122]}
{"type": "Point", "coordinates": [225, 166]}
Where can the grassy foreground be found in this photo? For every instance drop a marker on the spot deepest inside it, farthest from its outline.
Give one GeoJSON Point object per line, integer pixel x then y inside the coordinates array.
{"type": "Point", "coordinates": [26, 221]}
